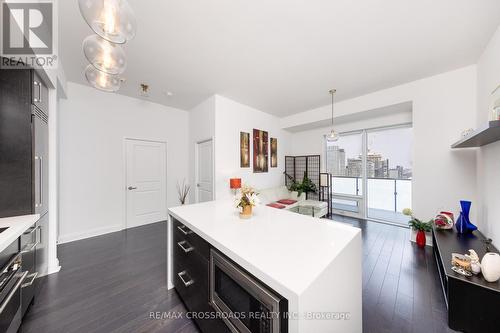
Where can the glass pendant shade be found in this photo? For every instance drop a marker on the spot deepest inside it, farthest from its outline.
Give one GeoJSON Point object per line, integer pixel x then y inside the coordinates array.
{"type": "Point", "coordinates": [113, 20]}
{"type": "Point", "coordinates": [333, 136]}
{"type": "Point", "coordinates": [105, 56]}
{"type": "Point", "coordinates": [102, 81]}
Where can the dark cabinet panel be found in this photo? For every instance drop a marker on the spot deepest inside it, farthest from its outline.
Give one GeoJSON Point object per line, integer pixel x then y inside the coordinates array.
{"type": "Point", "coordinates": [15, 143]}
{"type": "Point", "coordinates": [190, 277]}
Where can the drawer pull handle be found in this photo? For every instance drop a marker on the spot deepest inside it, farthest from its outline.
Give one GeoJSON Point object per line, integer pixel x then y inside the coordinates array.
{"type": "Point", "coordinates": [30, 230]}
{"type": "Point", "coordinates": [181, 228]}
{"type": "Point", "coordinates": [186, 283]}
{"type": "Point", "coordinates": [32, 277]}
{"type": "Point", "coordinates": [187, 249]}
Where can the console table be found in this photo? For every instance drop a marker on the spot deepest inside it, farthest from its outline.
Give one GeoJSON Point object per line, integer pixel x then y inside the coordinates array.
{"type": "Point", "coordinates": [473, 303]}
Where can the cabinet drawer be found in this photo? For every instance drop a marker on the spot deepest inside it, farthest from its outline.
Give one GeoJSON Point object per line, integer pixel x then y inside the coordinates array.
{"type": "Point", "coordinates": [183, 233]}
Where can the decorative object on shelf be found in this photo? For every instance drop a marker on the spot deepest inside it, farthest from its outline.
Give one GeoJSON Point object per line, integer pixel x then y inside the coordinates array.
{"type": "Point", "coordinates": [235, 184]}
{"type": "Point", "coordinates": [244, 150]}
{"type": "Point", "coordinates": [183, 191]}
{"type": "Point", "coordinates": [306, 186]}
{"type": "Point", "coordinates": [475, 265]}
{"type": "Point", "coordinates": [274, 153]}
{"type": "Point", "coordinates": [488, 242]}
{"type": "Point", "coordinates": [461, 264]}
{"type": "Point", "coordinates": [245, 200]}
{"type": "Point", "coordinates": [419, 226]}
{"type": "Point", "coordinates": [114, 23]}
{"type": "Point", "coordinates": [490, 266]}
{"type": "Point", "coordinates": [260, 151]}
{"type": "Point", "coordinates": [444, 221]}
{"type": "Point", "coordinates": [467, 132]}
{"type": "Point", "coordinates": [495, 103]}
{"type": "Point", "coordinates": [334, 135]}
{"type": "Point", "coordinates": [113, 20]}
{"type": "Point", "coordinates": [463, 224]}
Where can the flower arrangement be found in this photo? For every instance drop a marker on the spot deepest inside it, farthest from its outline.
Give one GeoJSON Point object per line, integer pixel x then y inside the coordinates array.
{"type": "Point", "coordinates": [417, 224]}
{"type": "Point", "coordinates": [183, 191]}
{"type": "Point", "coordinates": [247, 197]}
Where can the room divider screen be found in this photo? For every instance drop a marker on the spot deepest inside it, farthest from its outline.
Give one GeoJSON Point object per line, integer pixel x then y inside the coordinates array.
{"type": "Point", "coordinates": [295, 166]}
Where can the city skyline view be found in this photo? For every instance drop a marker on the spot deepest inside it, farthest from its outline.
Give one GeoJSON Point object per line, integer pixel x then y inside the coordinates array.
{"type": "Point", "coordinates": [389, 154]}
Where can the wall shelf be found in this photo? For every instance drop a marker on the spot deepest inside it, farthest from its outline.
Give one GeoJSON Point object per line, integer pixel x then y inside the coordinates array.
{"type": "Point", "coordinates": [484, 135]}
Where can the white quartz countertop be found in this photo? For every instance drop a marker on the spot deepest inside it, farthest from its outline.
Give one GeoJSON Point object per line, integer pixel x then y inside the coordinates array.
{"type": "Point", "coordinates": [16, 225]}
{"type": "Point", "coordinates": [277, 246]}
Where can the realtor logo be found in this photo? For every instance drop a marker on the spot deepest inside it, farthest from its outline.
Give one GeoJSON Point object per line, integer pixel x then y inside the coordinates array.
{"type": "Point", "coordinates": [27, 33]}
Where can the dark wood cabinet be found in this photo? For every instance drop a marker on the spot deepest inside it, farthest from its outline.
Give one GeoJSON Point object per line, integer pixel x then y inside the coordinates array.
{"type": "Point", "coordinates": [15, 143]}
{"type": "Point", "coordinates": [191, 277]}
{"type": "Point", "coordinates": [473, 303]}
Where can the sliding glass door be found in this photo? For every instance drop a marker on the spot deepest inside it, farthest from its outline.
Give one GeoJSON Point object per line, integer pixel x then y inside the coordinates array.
{"type": "Point", "coordinates": [378, 160]}
{"type": "Point", "coordinates": [389, 172]}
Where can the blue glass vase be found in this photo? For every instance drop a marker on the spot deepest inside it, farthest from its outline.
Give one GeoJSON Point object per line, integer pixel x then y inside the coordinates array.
{"type": "Point", "coordinates": [463, 224]}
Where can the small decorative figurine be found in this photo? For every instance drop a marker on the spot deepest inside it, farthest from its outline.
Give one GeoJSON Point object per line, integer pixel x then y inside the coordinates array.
{"type": "Point", "coordinates": [474, 262]}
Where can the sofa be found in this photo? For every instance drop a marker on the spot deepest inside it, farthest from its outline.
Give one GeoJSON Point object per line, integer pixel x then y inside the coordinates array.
{"type": "Point", "coordinates": [281, 198]}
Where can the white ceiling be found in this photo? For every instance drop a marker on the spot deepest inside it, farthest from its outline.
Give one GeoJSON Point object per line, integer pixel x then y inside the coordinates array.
{"type": "Point", "coordinates": [282, 56]}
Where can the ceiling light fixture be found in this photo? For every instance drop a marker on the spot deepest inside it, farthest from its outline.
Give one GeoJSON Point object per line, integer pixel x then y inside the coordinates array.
{"type": "Point", "coordinates": [333, 136]}
{"type": "Point", "coordinates": [105, 56]}
{"type": "Point", "coordinates": [101, 80]}
{"type": "Point", "coordinates": [144, 90]}
{"type": "Point", "coordinates": [113, 20]}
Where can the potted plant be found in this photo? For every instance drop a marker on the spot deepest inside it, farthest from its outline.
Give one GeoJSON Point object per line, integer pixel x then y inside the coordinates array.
{"type": "Point", "coordinates": [246, 199]}
{"type": "Point", "coordinates": [420, 227]}
{"type": "Point", "coordinates": [306, 186]}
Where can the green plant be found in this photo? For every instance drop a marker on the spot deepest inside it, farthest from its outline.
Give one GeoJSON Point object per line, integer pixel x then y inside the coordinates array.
{"type": "Point", "coordinates": [415, 223]}
{"type": "Point", "coordinates": [306, 186]}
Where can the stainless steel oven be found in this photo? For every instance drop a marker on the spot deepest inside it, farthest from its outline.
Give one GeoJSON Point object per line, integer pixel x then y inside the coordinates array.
{"type": "Point", "coordinates": [11, 281]}
{"type": "Point", "coordinates": [245, 304]}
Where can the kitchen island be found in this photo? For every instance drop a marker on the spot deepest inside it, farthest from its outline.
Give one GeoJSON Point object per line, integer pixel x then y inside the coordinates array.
{"type": "Point", "coordinates": [314, 264]}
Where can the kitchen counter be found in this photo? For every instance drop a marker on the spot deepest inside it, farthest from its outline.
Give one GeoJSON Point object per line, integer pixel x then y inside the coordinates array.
{"type": "Point", "coordinates": [16, 225]}
{"type": "Point", "coordinates": [315, 264]}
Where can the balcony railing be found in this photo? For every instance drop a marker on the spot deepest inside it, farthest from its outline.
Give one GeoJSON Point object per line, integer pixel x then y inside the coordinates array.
{"type": "Point", "coordinates": [384, 195]}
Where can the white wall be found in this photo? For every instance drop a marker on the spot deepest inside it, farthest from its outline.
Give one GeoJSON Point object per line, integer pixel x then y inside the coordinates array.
{"type": "Point", "coordinates": [311, 141]}
{"type": "Point", "coordinates": [231, 118]}
{"type": "Point", "coordinates": [443, 106]}
{"type": "Point", "coordinates": [201, 128]}
{"type": "Point", "coordinates": [92, 128]}
{"type": "Point", "coordinates": [488, 78]}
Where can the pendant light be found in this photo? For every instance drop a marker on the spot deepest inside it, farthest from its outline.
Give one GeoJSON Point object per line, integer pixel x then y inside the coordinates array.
{"type": "Point", "coordinates": [333, 136]}
{"type": "Point", "coordinates": [113, 20]}
{"type": "Point", "coordinates": [105, 56]}
{"type": "Point", "coordinates": [101, 80]}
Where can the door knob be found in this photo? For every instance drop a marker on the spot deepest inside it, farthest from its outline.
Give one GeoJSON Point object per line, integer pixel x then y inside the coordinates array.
{"type": "Point", "coordinates": [198, 185]}
{"type": "Point", "coordinates": [130, 188]}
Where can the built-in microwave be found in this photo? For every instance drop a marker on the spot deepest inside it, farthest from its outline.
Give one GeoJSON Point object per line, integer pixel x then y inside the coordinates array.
{"type": "Point", "coordinates": [243, 303]}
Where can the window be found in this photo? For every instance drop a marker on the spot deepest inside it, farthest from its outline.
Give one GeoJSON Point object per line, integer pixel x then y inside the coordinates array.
{"type": "Point", "coordinates": [379, 160]}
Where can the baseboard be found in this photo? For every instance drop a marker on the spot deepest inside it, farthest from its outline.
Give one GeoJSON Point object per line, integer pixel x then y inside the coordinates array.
{"type": "Point", "coordinates": [87, 234]}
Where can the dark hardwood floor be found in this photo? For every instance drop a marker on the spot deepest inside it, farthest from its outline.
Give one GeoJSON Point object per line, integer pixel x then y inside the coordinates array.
{"type": "Point", "coordinates": [111, 283]}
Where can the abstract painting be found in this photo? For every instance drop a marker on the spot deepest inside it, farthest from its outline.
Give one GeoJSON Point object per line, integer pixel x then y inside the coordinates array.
{"type": "Point", "coordinates": [274, 153]}
{"type": "Point", "coordinates": [244, 150]}
{"type": "Point", "coordinates": [260, 151]}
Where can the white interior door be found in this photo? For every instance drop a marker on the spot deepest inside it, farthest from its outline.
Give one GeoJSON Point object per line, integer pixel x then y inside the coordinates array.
{"type": "Point", "coordinates": [204, 171]}
{"type": "Point", "coordinates": [146, 187]}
